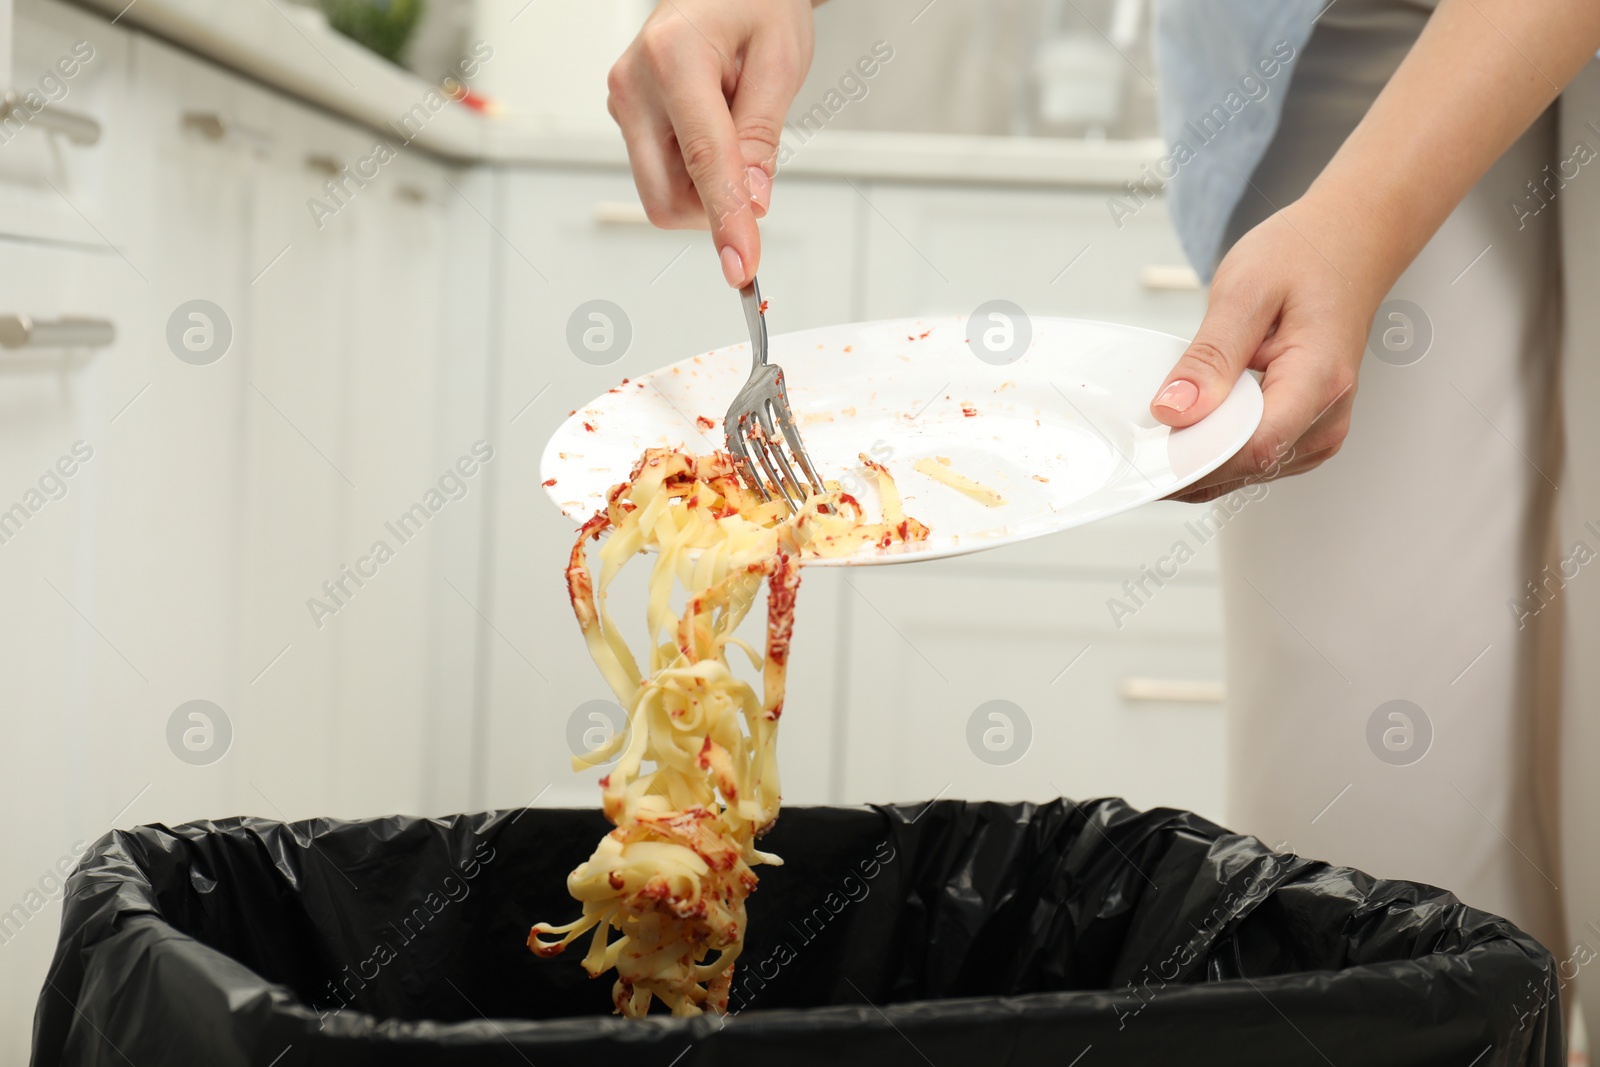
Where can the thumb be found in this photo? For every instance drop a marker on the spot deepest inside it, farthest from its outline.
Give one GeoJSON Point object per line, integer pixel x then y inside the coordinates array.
{"type": "Point", "coordinates": [1236, 323]}
{"type": "Point", "coordinates": [759, 108]}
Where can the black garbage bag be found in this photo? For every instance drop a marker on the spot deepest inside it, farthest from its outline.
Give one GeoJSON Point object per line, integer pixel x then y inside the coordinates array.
{"type": "Point", "coordinates": [948, 933]}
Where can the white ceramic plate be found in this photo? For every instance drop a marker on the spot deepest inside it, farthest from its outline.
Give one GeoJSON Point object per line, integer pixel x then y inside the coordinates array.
{"type": "Point", "coordinates": [1063, 433]}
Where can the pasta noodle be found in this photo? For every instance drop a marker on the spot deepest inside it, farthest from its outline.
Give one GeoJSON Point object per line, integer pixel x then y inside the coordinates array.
{"type": "Point", "coordinates": [672, 878]}
{"type": "Point", "coordinates": [938, 468]}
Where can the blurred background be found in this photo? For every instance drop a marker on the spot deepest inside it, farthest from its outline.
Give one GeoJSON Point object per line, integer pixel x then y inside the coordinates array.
{"type": "Point", "coordinates": [264, 284]}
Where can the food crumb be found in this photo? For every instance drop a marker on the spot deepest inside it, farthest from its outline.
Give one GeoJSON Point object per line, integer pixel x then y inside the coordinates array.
{"type": "Point", "coordinates": [968, 410]}
{"type": "Point", "coordinates": [849, 348]}
{"type": "Point", "coordinates": [548, 482]}
{"type": "Point", "coordinates": [1040, 478]}
{"type": "Point", "coordinates": [589, 426]}
{"type": "Point", "coordinates": [763, 307]}
{"type": "Point", "coordinates": [703, 422]}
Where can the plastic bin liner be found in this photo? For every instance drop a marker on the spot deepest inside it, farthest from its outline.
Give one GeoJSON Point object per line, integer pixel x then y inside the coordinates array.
{"type": "Point", "coordinates": [946, 933]}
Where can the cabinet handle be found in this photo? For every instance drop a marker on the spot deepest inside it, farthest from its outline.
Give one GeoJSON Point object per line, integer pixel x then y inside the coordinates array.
{"type": "Point", "coordinates": [620, 213]}
{"type": "Point", "coordinates": [1169, 279]}
{"type": "Point", "coordinates": [21, 331]}
{"type": "Point", "coordinates": [1170, 690]}
{"type": "Point", "coordinates": [215, 126]}
{"type": "Point", "coordinates": [324, 165]}
{"type": "Point", "coordinates": [208, 124]}
{"type": "Point", "coordinates": [73, 125]}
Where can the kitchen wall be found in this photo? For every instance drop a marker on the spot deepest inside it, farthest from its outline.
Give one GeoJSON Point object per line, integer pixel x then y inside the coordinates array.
{"type": "Point", "coordinates": [551, 59]}
{"type": "Point", "coordinates": [1052, 68]}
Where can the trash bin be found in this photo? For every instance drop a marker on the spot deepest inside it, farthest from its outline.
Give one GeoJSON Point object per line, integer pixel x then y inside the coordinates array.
{"type": "Point", "coordinates": [946, 933]}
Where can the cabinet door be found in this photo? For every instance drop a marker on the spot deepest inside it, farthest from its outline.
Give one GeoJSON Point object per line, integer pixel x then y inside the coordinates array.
{"type": "Point", "coordinates": [85, 694]}
{"type": "Point", "coordinates": [574, 236]}
{"type": "Point", "coordinates": [175, 516]}
{"type": "Point", "coordinates": [420, 482]}
{"type": "Point", "coordinates": [985, 683]}
{"type": "Point", "coordinates": [296, 754]}
{"type": "Point", "coordinates": [56, 185]}
{"type": "Point", "coordinates": [940, 250]}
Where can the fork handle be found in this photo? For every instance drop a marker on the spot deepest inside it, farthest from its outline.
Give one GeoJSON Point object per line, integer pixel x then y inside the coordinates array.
{"type": "Point", "coordinates": [750, 295]}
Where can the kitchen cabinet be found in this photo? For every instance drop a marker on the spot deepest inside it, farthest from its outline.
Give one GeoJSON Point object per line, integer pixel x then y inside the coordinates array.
{"type": "Point", "coordinates": [351, 352]}
{"type": "Point", "coordinates": [225, 481]}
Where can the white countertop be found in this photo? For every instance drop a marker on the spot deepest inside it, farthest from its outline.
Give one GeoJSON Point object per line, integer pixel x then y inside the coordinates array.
{"type": "Point", "coordinates": [291, 48]}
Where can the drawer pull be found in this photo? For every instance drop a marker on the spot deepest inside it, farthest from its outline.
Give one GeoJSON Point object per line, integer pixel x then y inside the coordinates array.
{"type": "Point", "coordinates": [620, 213]}
{"type": "Point", "coordinates": [215, 126]}
{"type": "Point", "coordinates": [73, 125]}
{"type": "Point", "coordinates": [20, 331]}
{"type": "Point", "coordinates": [327, 166]}
{"type": "Point", "coordinates": [1170, 690]}
{"type": "Point", "coordinates": [208, 124]}
{"type": "Point", "coordinates": [1169, 279]}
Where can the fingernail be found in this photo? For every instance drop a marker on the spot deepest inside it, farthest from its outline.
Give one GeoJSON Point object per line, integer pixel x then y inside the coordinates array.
{"type": "Point", "coordinates": [1179, 396]}
{"type": "Point", "coordinates": [733, 267]}
{"type": "Point", "coordinates": [760, 189]}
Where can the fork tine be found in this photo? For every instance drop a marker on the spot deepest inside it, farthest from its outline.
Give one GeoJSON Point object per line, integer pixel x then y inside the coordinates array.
{"type": "Point", "coordinates": [764, 456]}
{"type": "Point", "coordinates": [741, 457]}
{"type": "Point", "coordinates": [791, 433]}
{"type": "Point", "coordinates": [792, 485]}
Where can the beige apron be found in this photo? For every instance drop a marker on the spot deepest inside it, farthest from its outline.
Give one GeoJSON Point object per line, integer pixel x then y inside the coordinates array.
{"type": "Point", "coordinates": [1401, 569]}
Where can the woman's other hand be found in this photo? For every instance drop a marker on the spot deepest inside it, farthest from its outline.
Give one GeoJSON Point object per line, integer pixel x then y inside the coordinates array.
{"type": "Point", "coordinates": [1278, 305]}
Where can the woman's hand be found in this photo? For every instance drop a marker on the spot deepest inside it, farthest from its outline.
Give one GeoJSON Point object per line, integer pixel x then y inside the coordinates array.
{"type": "Point", "coordinates": [1295, 297]}
{"type": "Point", "coordinates": [1278, 305]}
{"type": "Point", "coordinates": [701, 96]}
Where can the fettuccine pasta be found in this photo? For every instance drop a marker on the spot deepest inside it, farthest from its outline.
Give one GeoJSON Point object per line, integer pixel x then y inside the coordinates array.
{"type": "Point", "coordinates": [670, 881]}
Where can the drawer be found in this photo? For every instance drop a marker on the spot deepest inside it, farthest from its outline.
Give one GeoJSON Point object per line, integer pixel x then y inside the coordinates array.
{"type": "Point", "coordinates": [1024, 688]}
{"type": "Point", "coordinates": [61, 143]}
{"type": "Point", "coordinates": [54, 300]}
{"type": "Point", "coordinates": [941, 250]}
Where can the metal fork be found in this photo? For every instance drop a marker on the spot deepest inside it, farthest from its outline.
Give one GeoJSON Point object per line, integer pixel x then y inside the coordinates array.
{"type": "Point", "coordinates": [762, 402]}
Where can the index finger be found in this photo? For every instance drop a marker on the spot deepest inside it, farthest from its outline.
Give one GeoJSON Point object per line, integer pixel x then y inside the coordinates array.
{"type": "Point", "coordinates": [703, 124]}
